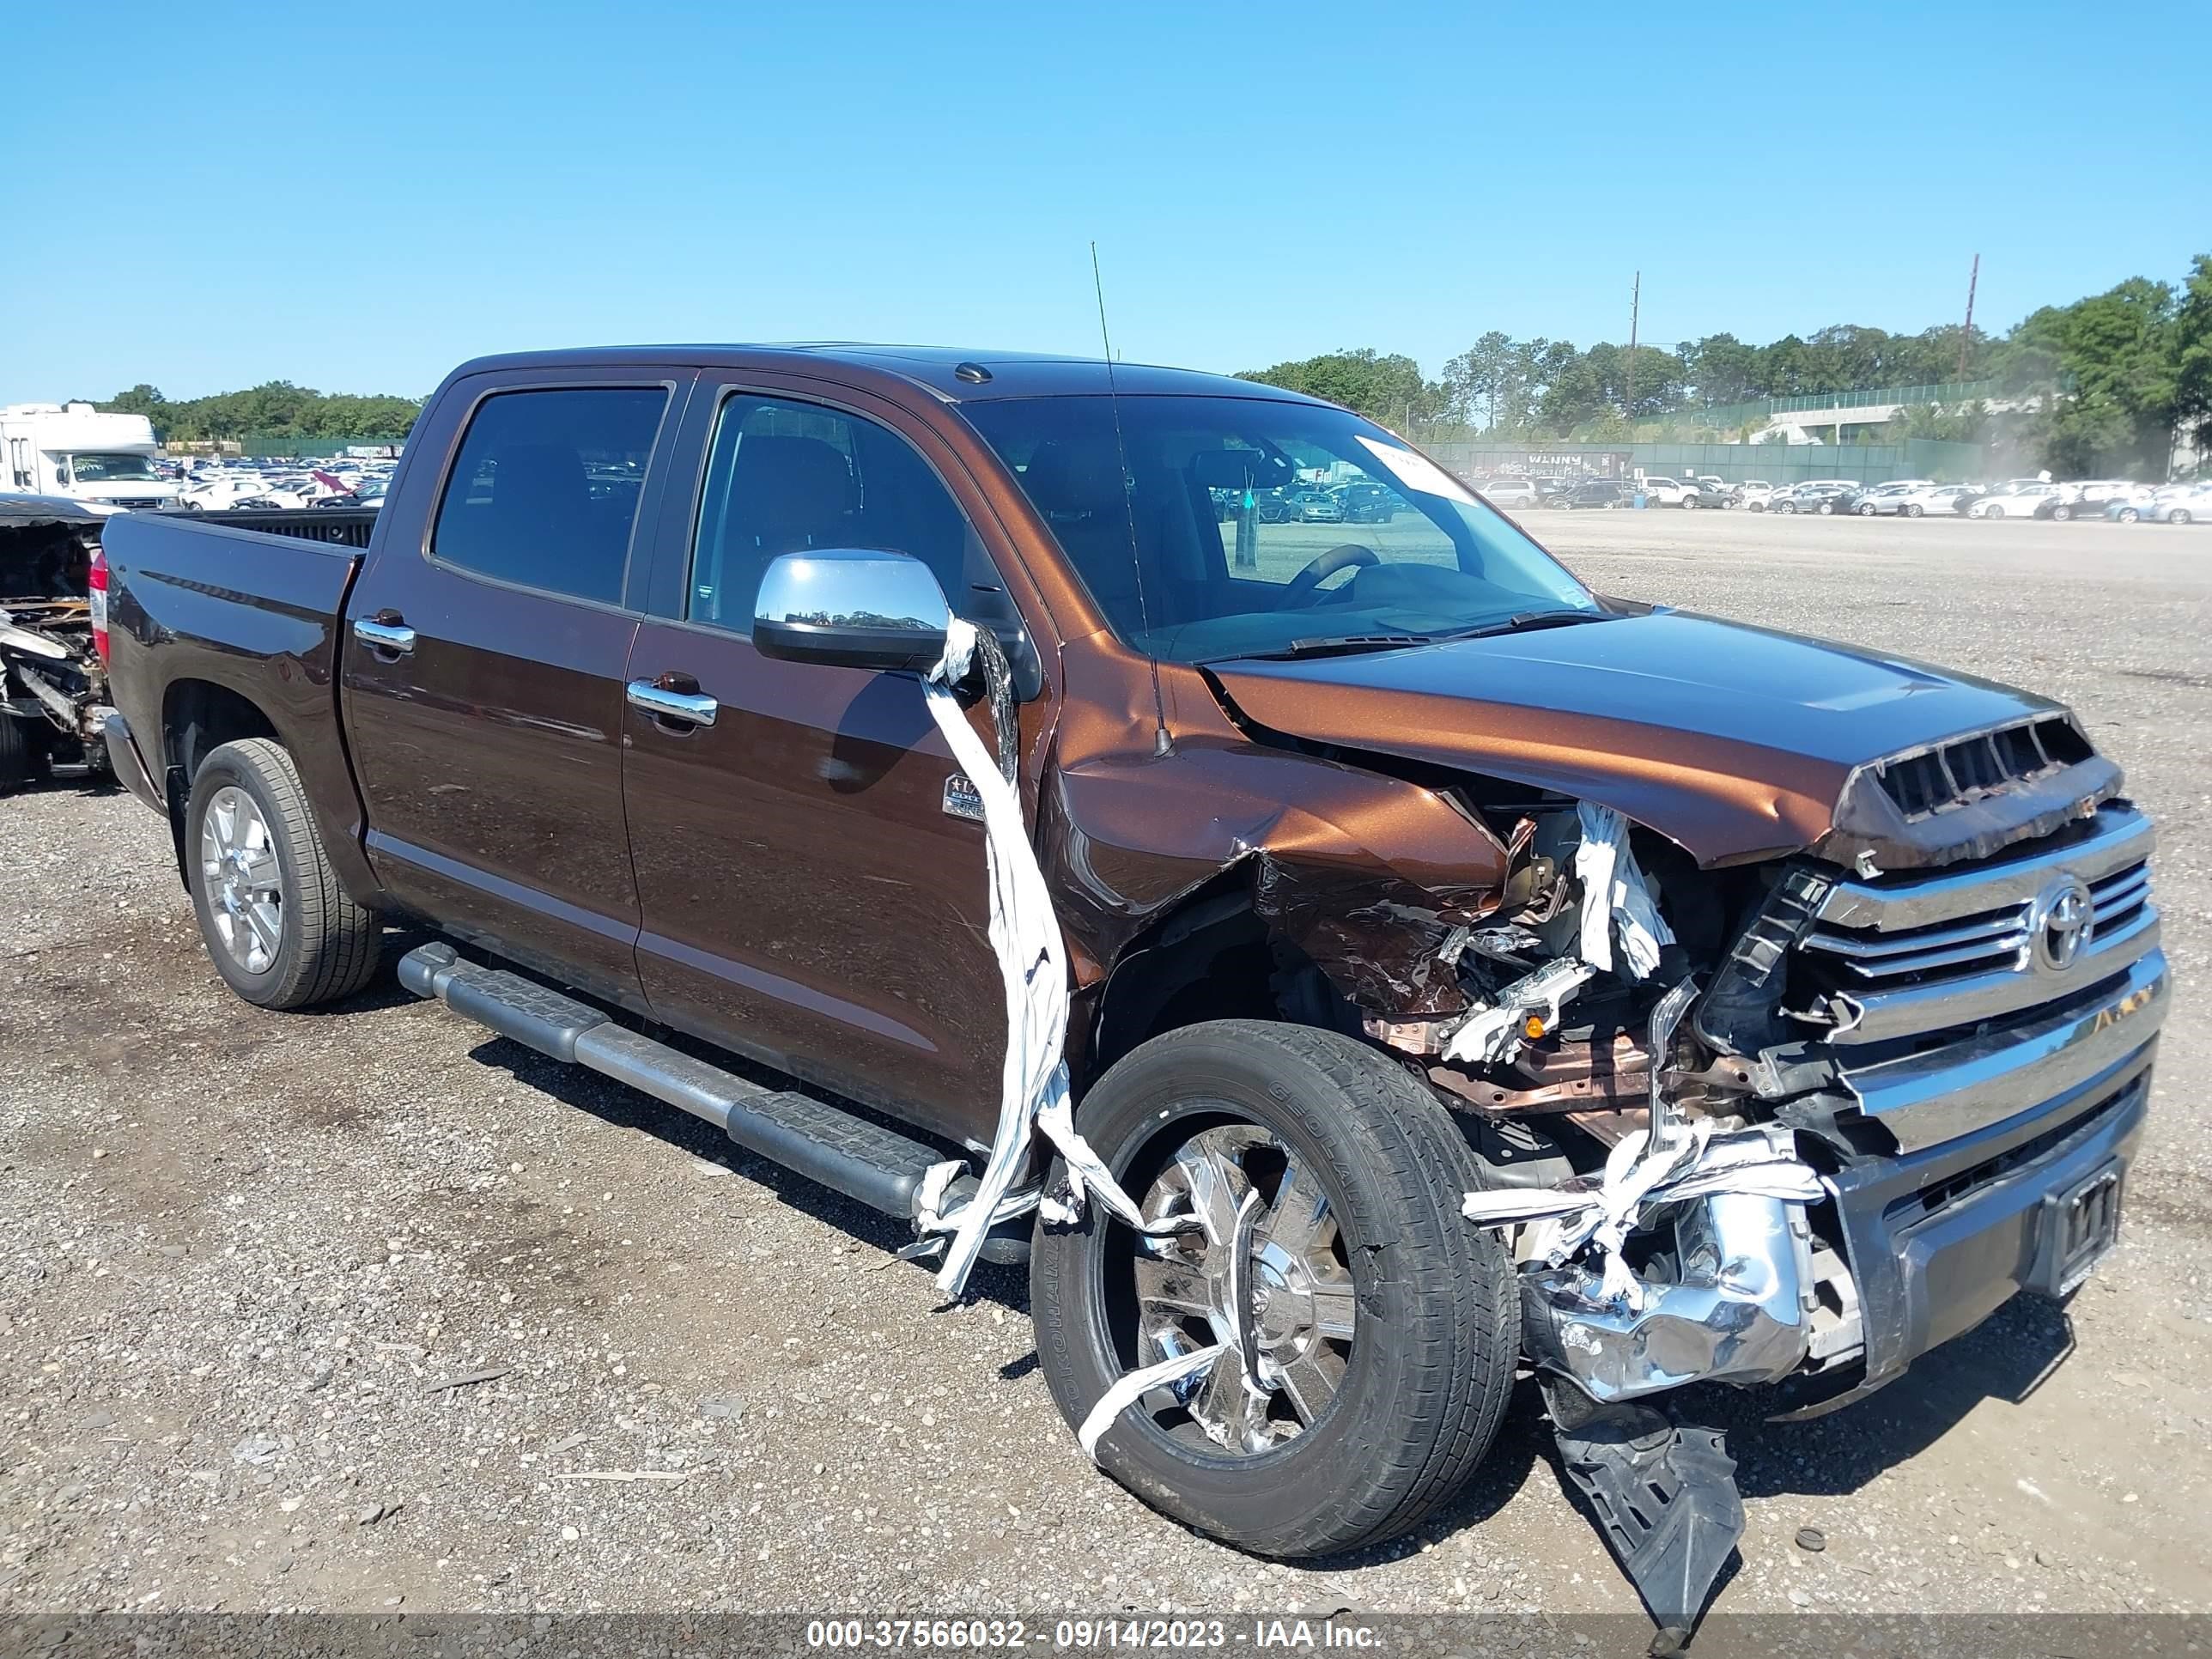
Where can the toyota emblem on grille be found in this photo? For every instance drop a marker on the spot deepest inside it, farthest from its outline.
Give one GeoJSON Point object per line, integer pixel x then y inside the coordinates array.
{"type": "Point", "coordinates": [2060, 923]}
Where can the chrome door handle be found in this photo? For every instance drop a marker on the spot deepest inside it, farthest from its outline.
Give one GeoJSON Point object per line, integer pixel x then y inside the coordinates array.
{"type": "Point", "coordinates": [692, 706]}
{"type": "Point", "coordinates": [393, 637]}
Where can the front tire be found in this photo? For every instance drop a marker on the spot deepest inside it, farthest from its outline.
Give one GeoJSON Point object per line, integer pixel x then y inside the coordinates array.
{"type": "Point", "coordinates": [2061, 514]}
{"type": "Point", "coordinates": [278, 927]}
{"type": "Point", "coordinates": [1912, 509]}
{"type": "Point", "coordinates": [1391, 1325]}
{"type": "Point", "coordinates": [2180, 515]}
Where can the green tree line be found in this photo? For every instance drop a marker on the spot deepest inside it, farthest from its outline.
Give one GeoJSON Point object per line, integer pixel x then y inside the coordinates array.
{"type": "Point", "coordinates": [2103, 385]}
{"type": "Point", "coordinates": [277, 409]}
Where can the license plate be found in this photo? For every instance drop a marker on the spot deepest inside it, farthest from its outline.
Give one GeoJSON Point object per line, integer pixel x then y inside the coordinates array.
{"type": "Point", "coordinates": [2088, 1223]}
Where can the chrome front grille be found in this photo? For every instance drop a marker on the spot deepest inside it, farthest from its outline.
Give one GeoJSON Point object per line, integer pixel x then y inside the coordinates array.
{"type": "Point", "coordinates": [1952, 998]}
{"type": "Point", "coordinates": [2000, 938]}
{"type": "Point", "coordinates": [1906, 957]}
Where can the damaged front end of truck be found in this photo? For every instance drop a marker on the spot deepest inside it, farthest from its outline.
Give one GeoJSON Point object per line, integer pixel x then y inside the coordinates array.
{"type": "Point", "coordinates": [1769, 1090]}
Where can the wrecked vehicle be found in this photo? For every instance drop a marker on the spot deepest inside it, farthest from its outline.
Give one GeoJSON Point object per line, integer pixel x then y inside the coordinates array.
{"type": "Point", "coordinates": [53, 686]}
{"type": "Point", "coordinates": [1345, 961]}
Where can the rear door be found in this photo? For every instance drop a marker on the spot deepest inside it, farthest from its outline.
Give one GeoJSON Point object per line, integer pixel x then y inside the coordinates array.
{"type": "Point", "coordinates": [485, 659]}
{"type": "Point", "coordinates": [813, 893]}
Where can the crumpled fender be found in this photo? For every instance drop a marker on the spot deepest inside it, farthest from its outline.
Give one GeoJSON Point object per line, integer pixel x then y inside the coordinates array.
{"type": "Point", "coordinates": [1366, 874]}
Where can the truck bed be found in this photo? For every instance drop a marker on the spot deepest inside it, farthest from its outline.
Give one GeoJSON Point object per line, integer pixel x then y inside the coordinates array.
{"type": "Point", "coordinates": [201, 605]}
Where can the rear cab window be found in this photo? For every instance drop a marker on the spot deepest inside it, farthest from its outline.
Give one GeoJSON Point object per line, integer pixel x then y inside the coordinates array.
{"type": "Point", "coordinates": [544, 491]}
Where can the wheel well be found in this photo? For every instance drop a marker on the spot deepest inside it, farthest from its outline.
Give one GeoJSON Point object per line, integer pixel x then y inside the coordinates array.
{"type": "Point", "coordinates": [1211, 957]}
{"type": "Point", "coordinates": [197, 717]}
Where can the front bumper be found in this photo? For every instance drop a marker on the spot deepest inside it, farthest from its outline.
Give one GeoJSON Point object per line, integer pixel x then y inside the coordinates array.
{"type": "Point", "coordinates": [1933, 1238]}
{"type": "Point", "coordinates": [1938, 1240]}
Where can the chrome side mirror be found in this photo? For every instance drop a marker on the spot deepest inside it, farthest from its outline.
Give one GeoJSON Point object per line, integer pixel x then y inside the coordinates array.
{"type": "Point", "coordinates": [852, 607]}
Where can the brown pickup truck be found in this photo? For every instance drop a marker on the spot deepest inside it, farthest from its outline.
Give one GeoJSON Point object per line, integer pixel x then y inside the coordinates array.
{"type": "Point", "coordinates": [1449, 966]}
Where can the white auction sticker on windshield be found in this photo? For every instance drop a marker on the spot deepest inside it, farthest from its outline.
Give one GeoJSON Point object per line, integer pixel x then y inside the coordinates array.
{"type": "Point", "coordinates": [1419, 472]}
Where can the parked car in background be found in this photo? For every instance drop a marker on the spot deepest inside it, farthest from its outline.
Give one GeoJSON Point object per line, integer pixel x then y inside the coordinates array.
{"type": "Point", "coordinates": [2088, 500]}
{"type": "Point", "coordinates": [1509, 492]}
{"type": "Point", "coordinates": [2175, 504]}
{"type": "Point", "coordinates": [1594, 492]}
{"type": "Point", "coordinates": [1815, 495]}
{"type": "Point", "coordinates": [1315, 506]}
{"type": "Point", "coordinates": [1862, 500]}
{"type": "Point", "coordinates": [1876, 498]}
{"type": "Point", "coordinates": [1752, 494]}
{"type": "Point", "coordinates": [1369, 503]}
{"type": "Point", "coordinates": [1982, 492]}
{"type": "Point", "coordinates": [1706, 493]}
{"type": "Point", "coordinates": [2014, 504]}
{"type": "Point", "coordinates": [1661, 491]}
{"type": "Point", "coordinates": [1925, 498]}
{"type": "Point", "coordinates": [1548, 490]}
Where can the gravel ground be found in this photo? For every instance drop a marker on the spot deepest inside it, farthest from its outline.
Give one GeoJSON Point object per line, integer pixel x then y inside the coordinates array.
{"type": "Point", "coordinates": [370, 1311]}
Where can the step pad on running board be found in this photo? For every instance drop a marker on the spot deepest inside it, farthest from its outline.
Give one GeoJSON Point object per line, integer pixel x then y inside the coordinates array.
{"type": "Point", "coordinates": [851, 1154]}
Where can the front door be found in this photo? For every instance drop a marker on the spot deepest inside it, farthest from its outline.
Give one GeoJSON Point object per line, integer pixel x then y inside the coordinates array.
{"type": "Point", "coordinates": [482, 680]}
{"type": "Point", "coordinates": [808, 898]}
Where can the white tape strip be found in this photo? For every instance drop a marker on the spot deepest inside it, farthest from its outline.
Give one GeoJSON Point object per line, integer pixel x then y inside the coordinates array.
{"type": "Point", "coordinates": [1133, 1387]}
{"type": "Point", "coordinates": [1638, 1178]}
{"type": "Point", "coordinates": [1025, 937]}
{"type": "Point", "coordinates": [1616, 899]}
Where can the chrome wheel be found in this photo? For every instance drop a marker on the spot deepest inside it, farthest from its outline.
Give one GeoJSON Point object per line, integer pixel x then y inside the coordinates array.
{"type": "Point", "coordinates": [1266, 1236]}
{"type": "Point", "coordinates": [243, 881]}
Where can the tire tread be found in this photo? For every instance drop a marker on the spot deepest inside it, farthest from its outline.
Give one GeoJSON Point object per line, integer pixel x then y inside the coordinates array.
{"type": "Point", "coordinates": [1463, 1332]}
{"type": "Point", "coordinates": [339, 943]}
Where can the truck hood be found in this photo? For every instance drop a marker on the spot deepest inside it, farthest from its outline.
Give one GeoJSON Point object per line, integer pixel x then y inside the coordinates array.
{"type": "Point", "coordinates": [1735, 742]}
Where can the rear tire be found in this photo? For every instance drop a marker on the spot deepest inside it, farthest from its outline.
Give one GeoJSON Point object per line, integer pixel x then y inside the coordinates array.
{"type": "Point", "coordinates": [278, 927]}
{"type": "Point", "coordinates": [2130, 515]}
{"type": "Point", "coordinates": [2180, 515]}
{"type": "Point", "coordinates": [1912, 509]}
{"type": "Point", "coordinates": [2062, 512]}
{"type": "Point", "coordinates": [1430, 1320]}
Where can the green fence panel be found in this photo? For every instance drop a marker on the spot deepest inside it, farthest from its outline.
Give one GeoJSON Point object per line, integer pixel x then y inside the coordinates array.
{"type": "Point", "coordinates": [264, 446]}
{"type": "Point", "coordinates": [1770, 463]}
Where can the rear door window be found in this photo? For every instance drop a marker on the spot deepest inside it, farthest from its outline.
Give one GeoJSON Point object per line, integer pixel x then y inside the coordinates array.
{"type": "Point", "coordinates": [544, 492]}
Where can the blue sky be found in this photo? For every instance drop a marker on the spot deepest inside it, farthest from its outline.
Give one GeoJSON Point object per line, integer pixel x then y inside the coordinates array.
{"type": "Point", "coordinates": [356, 197]}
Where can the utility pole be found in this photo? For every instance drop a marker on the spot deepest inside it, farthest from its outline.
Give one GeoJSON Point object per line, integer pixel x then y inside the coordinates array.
{"type": "Point", "coordinates": [1635, 305]}
{"type": "Point", "coordinates": [1966, 335]}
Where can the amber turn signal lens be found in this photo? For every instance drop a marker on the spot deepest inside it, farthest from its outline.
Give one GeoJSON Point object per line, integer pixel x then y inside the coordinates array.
{"type": "Point", "coordinates": [1532, 1027]}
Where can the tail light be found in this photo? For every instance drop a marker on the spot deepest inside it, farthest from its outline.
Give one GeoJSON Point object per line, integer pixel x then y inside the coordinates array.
{"type": "Point", "coordinates": [96, 583]}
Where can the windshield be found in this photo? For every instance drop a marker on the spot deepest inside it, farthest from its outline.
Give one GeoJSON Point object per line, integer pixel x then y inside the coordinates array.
{"type": "Point", "coordinates": [111, 469]}
{"type": "Point", "coordinates": [1221, 498]}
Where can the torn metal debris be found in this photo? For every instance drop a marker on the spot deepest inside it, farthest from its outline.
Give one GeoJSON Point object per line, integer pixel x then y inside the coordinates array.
{"type": "Point", "coordinates": [53, 686]}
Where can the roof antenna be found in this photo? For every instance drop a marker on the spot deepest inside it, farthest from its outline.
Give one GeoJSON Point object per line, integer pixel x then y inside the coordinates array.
{"type": "Point", "coordinates": [1161, 743]}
